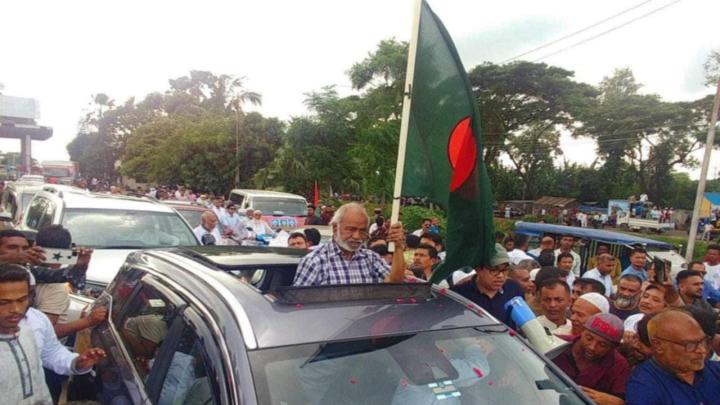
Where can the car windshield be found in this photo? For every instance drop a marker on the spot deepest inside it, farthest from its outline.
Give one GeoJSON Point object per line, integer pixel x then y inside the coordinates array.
{"type": "Point", "coordinates": [57, 172]}
{"type": "Point", "coordinates": [460, 366]}
{"type": "Point", "coordinates": [127, 229]}
{"type": "Point", "coordinates": [292, 207]}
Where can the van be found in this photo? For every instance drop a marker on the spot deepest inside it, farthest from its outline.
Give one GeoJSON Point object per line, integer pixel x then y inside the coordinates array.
{"type": "Point", "coordinates": [280, 210]}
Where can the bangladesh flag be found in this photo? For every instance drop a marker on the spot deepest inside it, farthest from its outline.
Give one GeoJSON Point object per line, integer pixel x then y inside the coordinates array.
{"type": "Point", "coordinates": [443, 156]}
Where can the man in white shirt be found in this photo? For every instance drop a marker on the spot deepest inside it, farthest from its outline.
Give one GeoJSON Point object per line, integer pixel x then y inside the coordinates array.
{"type": "Point", "coordinates": [555, 301]}
{"type": "Point", "coordinates": [259, 226]}
{"type": "Point", "coordinates": [425, 227]}
{"type": "Point", "coordinates": [207, 232]}
{"type": "Point", "coordinates": [566, 244]}
{"type": "Point", "coordinates": [546, 243]}
{"type": "Point", "coordinates": [217, 207]}
{"type": "Point", "coordinates": [54, 355]}
{"type": "Point", "coordinates": [233, 224]}
{"type": "Point", "coordinates": [603, 271]}
{"type": "Point", "coordinates": [22, 380]}
{"type": "Point", "coordinates": [21, 377]}
{"type": "Point", "coordinates": [565, 263]}
{"type": "Point", "coordinates": [712, 265]}
{"type": "Point", "coordinates": [520, 247]}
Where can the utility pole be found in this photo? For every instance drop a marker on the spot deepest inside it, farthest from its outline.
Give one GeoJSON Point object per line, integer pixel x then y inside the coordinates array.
{"type": "Point", "coordinates": [703, 175]}
{"type": "Point", "coordinates": [237, 144]}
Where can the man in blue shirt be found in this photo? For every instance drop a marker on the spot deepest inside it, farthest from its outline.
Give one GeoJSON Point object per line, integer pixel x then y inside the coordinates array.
{"type": "Point", "coordinates": [490, 288]}
{"type": "Point", "coordinates": [678, 372]}
{"type": "Point", "coordinates": [638, 258]}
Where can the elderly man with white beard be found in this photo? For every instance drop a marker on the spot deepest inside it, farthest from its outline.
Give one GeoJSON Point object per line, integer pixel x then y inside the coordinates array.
{"type": "Point", "coordinates": [345, 260]}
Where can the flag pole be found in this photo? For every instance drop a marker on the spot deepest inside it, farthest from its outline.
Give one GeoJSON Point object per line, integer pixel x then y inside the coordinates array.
{"type": "Point", "coordinates": [404, 123]}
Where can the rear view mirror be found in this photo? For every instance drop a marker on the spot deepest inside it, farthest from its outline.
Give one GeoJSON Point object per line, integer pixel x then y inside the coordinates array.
{"type": "Point", "coordinates": [5, 217]}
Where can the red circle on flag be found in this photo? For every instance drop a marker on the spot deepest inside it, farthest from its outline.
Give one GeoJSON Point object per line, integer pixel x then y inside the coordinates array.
{"type": "Point", "coordinates": [462, 152]}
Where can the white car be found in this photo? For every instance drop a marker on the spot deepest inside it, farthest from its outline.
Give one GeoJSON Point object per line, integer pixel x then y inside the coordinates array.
{"type": "Point", "coordinates": [113, 226]}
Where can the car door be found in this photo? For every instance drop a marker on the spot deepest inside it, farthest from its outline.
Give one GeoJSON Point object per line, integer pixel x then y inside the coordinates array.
{"type": "Point", "coordinates": [143, 314]}
{"type": "Point", "coordinates": [188, 366]}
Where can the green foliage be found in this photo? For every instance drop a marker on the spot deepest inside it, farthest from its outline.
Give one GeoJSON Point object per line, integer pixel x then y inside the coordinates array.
{"type": "Point", "coordinates": [200, 150]}
{"type": "Point", "coordinates": [520, 95]}
{"type": "Point", "coordinates": [506, 226]}
{"type": "Point", "coordinates": [647, 134]}
{"type": "Point", "coordinates": [348, 144]}
{"type": "Point", "coordinates": [413, 215]}
{"type": "Point", "coordinates": [712, 68]}
{"type": "Point", "coordinates": [186, 135]}
{"type": "Point", "coordinates": [548, 219]}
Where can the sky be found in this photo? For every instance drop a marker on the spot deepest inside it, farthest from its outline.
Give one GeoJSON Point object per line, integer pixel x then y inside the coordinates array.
{"type": "Point", "coordinates": [61, 53]}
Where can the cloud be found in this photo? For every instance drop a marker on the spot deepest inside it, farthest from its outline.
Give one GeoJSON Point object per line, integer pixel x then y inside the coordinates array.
{"type": "Point", "coordinates": [507, 40]}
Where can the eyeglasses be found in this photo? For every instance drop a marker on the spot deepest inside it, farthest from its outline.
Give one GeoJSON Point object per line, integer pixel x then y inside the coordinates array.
{"type": "Point", "coordinates": [690, 347]}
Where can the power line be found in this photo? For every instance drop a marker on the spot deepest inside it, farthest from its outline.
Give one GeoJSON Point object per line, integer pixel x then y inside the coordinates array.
{"type": "Point", "coordinates": [609, 30]}
{"type": "Point", "coordinates": [572, 34]}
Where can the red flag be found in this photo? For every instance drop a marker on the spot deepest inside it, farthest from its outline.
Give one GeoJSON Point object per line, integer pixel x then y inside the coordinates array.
{"type": "Point", "coordinates": [316, 195]}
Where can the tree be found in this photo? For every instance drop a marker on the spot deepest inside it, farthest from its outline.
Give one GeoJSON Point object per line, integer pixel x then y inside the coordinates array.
{"type": "Point", "coordinates": [650, 135]}
{"type": "Point", "coordinates": [712, 68]}
{"type": "Point", "coordinates": [315, 148]}
{"type": "Point", "coordinates": [517, 96]}
{"type": "Point", "coordinates": [200, 150]}
{"type": "Point", "coordinates": [199, 101]}
{"type": "Point", "coordinates": [532, 152]}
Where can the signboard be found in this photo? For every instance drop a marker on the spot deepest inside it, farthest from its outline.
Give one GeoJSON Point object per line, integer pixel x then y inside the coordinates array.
{"type": "Point", "coordinates": [19, 107]}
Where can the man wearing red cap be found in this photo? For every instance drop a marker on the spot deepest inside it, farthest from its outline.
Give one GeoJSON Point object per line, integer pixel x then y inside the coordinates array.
{"type": "Point", "coordinates": [594, 363]}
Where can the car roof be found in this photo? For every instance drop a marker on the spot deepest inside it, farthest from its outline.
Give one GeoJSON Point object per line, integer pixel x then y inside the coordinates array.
{"type": "Point", "coordinates": [184, 205]}
{"type": "Point", "coordinates": [266, 193]}
{"type": "Point", "coordinates": [535, 229]}
{"type": "Point", "coordinates": [78, 198]}
{"type": "Point", "coordinates": [271, 320]}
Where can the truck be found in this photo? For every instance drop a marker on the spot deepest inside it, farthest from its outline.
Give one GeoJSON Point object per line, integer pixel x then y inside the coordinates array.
{"type": "Point", "coordinates": [623, 214]}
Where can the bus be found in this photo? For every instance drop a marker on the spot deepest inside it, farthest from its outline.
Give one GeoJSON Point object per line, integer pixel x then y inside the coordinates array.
{"type": "Point", "coordinates": [60, 171]}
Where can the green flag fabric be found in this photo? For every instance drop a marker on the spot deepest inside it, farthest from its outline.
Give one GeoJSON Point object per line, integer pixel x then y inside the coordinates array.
{"type": "Point", "coordinates": [443, 158]}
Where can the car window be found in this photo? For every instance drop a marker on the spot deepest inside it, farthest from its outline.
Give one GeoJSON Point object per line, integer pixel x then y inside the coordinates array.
{"type": "Point", "coordinates": [185, 375]}
{"type": "Point", "coordinates": [127, 229]}
{"type": "Point", "coordinates": [48, 214]}
{"type": "Point", "coordinates": [35, 213]}
{"type": "Point", "coordinates": [8, 203]}
{"type": "Point", "coordinates": [192, 216]}
{"type": "Point", "coordinates": [123, 290]}
{"type": "Point", "coordinates": [144, 326]}
{"type": "Point", "coordinates": [460, 366]}
{"type": "Point", "coordinates": [237, 199]}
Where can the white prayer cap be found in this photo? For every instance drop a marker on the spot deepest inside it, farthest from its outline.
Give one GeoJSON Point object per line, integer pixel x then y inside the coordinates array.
{"type": "Point", "coordinates": [598, 300]}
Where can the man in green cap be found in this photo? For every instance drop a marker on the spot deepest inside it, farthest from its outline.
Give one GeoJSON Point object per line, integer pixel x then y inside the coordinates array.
{"type": "Point", "coordinates": [490, 288]}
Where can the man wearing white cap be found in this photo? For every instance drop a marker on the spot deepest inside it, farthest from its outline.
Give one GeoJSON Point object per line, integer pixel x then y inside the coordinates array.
{"type": "Point", "coordinates": [586, 306]}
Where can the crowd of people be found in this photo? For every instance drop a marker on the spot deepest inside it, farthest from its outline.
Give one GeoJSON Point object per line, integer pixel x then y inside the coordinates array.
{"type": "Point", "coordinates": [634, 336]}
{"type": "Point", "coordinates": [34, 300]}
